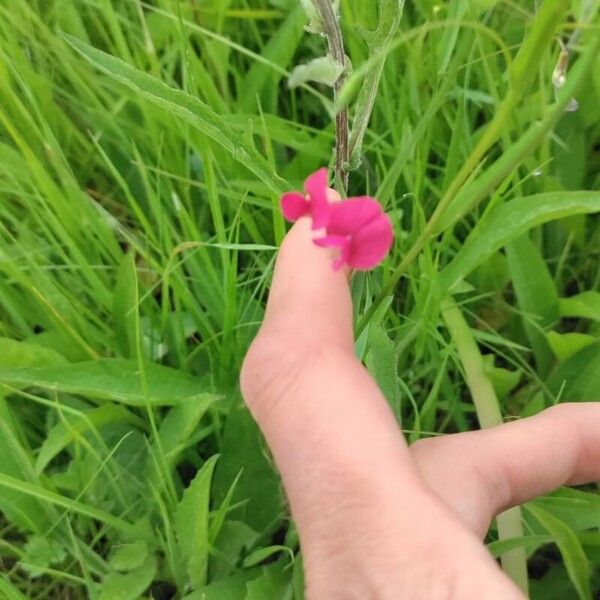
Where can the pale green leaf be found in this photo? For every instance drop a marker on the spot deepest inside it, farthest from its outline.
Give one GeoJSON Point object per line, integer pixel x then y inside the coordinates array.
{"type": "Point", "coordinates": [320, 70]}
{"type": "Point", "coordinates": [261, 554]}
{"type": "Point", "coordinates": [130, 556]}
{"type": "Point", "coordinates": [131, 585]}
{"type": "Point", "coordinates": [188, 108]}
{"type": "Point", "coordinates": [537, 297]}
{"type": "Point", "coordinates": [565, 345]}
{"type": "Point", "coordinates": [578, 378]}
{"type": "Point", "coordinates": [116, 380]}
{"type": "Point", "coordinates": [65, 432]}
{"type": "Point", "coordinates": [570, 548]}
{"type": "Point", "coordinates": [191, 524]}
{"type": "Point", "coordinates": [22, 355]}
{"type": "Point", "coordinates": [124, 307]}
{"type": "Point", "coordinates": [511, 220]}
{"type": "Point", "coordinates": [584, 306]}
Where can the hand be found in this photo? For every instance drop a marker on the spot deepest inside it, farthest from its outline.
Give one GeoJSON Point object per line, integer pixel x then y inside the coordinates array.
{"type": "Point", "coordinates": [376, 518]}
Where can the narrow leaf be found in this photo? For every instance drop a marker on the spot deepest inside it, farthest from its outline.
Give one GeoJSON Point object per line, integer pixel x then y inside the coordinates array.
{"type": "Point", "coordinates": [537, 297]}
{"type": "Point", "coordinates": [124, 305]}
{"type": "Point", "coordinates": [191, 524]}
{"type": "Point", "coordinates": [570, 548]}
{"type": "Point", "coordinates": [183, 105]}
{"type": "Point", "coordinates": [115, 379]}
{"type": "Point", "coordinates": [511, 220]}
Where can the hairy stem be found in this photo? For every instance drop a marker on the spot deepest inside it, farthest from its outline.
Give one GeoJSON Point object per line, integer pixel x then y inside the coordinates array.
{"type": "Point", "coordinates": [333, 32]}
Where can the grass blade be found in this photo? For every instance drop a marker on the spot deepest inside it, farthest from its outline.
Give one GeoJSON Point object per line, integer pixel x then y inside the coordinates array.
{"type": "Point", "coordinates": [190, 109]}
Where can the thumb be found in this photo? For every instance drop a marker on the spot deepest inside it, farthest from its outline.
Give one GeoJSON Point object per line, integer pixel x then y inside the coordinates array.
{"type": "Point", "coordinates": [354, 492]}
{"type": "Point", "coordinates": [308, 299]}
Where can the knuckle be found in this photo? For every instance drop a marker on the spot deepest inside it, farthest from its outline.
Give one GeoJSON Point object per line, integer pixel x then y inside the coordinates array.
{"type": "Point", "coordinates": [273, 370]}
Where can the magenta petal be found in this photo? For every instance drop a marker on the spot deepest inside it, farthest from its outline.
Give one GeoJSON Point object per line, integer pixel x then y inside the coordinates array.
{"type": "Point", "coordinates": [371, 244]}
{"type": "Point", "coordinates": [331, 241]}
{"type": "Point", "coordinates": [336, 241]}
{"type": "Point", "coordinates": [316, 188]}
{"type": "Point", "coordinates": [352, 215]}
{"type": "Point", "coordinates": [316, 183]}
{"type": "Point", "coordinates": [294, 206]}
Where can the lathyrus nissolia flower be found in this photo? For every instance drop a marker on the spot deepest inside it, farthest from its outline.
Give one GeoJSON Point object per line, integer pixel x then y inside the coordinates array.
{"type": "Point", "coordinates": [357, 228]}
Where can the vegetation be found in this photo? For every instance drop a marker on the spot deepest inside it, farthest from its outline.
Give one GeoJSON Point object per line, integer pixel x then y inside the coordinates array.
{"type": "Point", "coordinates": [143, 149]}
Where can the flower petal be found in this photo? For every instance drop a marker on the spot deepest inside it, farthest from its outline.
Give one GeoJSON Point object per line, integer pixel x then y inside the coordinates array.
{"type": "Point", "coordinates": [294, 206]}
{"type": "Point", "coordinates": [353, 214]}
{"type": "Point", "coordinates": [341, 242]}
{"type": "Point", "coordinates": [371, 244]}
{"type": "Point", "coordinates": [316, 188]}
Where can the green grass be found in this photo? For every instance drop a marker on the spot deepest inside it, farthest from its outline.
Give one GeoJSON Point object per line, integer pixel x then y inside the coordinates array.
{"type": "Point", "coordinates": [143, 146]}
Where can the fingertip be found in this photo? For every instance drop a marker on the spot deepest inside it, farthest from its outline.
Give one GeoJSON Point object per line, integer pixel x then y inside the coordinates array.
{"type": "Point", "coordinates": [307, 294]}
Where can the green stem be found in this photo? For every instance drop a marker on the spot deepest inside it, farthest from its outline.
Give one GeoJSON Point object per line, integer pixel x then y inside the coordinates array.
{"type": "Point", "coordinates": [510, 523]}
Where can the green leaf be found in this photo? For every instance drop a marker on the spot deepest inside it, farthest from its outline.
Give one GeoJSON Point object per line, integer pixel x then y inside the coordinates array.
{"type": "Point", "coordinates": [474, 191]}
{"type": "Point", "coordinates": [26, 512]}
{"type": "Point", "coordinates": [579, 509]}
{"type": "Point", "coordinates": [131, 585]}
{"type": "Point", "coordinates": [584, 306]}
{"type": "Point", "coordinates": [321, 70]}
{"type": "Point", "coordinates": [124, 306]}
{"type": "Point", "coordinates": [578, 378]}
{"type": "Point", "coordinates": [188, 108]}
{"type": "Point", "coordinates": [21, 355]}
{"type": "Point", "coordinates": [41, 552]}
{"type": "Point", "coordinates": [258, 487]}
{"type": "Point", "coordinates": [537, 297]}
{"type": "Point", "coordinates": [529, 542]}
{"type": "Point", "coordinates": [570, 154]}
{"type": "Point", "coordinates": [503, 380]}
{"type": "Point", "coordinates": [275, 582]}
{"type": "Point", "coordinates": [175, 430]}
{"type": "Point", "coordinates": [570, 548]}
{"type": "Point", "coordinates": [232, 543]}
{"type": "Point", "coordinates": [511, 220]}
{"type": "Point", "coordinates": [229, 588]}
{"type": "Point", "coordinates": [565, 345]}
{"type": "Point", "coordinates": [315, 22]}
{"type": "Point", "coordinates": [116, 380]}
{"type": "Point", "coordinates": [261, 554]}
{"type": "Point", "coordinates": [382, 362]}
{"type": "Point", "coordinates": [129, 556]}
{"type": "Point", "coordinates": [261, 80]}
{"type": "Point", "coordinates": [389, 17]}
{"type": "Point", "coordinates": [29, 490]}
{"type": "Point", "coordinates": [181, 422]}
{"type": "Point", "coordinates": [65, 432]}
{"type": "Point", "coordinates": [10, 592]}
{"type": "Point", "coordinates": [191, 524]}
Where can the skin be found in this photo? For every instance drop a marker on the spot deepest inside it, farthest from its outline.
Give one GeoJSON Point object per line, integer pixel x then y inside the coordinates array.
{"type": "Point", "coordinates": [379, 519]}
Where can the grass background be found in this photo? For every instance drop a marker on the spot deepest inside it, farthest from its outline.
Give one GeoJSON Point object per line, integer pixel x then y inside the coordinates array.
{"type": "Point", "coordinates": [138, 227]}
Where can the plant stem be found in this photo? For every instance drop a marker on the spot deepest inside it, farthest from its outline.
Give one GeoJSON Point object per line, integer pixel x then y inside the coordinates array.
{"type": "Point", "coordinates": [335, 40]}
{"type": "Point", "coordinates": [510, 523]}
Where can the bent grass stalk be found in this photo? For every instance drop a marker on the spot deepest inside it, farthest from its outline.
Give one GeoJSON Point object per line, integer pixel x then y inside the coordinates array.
{"type": "Point", "coordinates": [510, 524]}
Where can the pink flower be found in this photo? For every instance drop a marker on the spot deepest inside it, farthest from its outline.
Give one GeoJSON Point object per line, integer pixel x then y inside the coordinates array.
{"type": "Point", "coordinates": [358, 228]}
{"type": "Point", "coordinates": [314, 204]}
{"type": "Point", "coordinates": [361, 231]}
